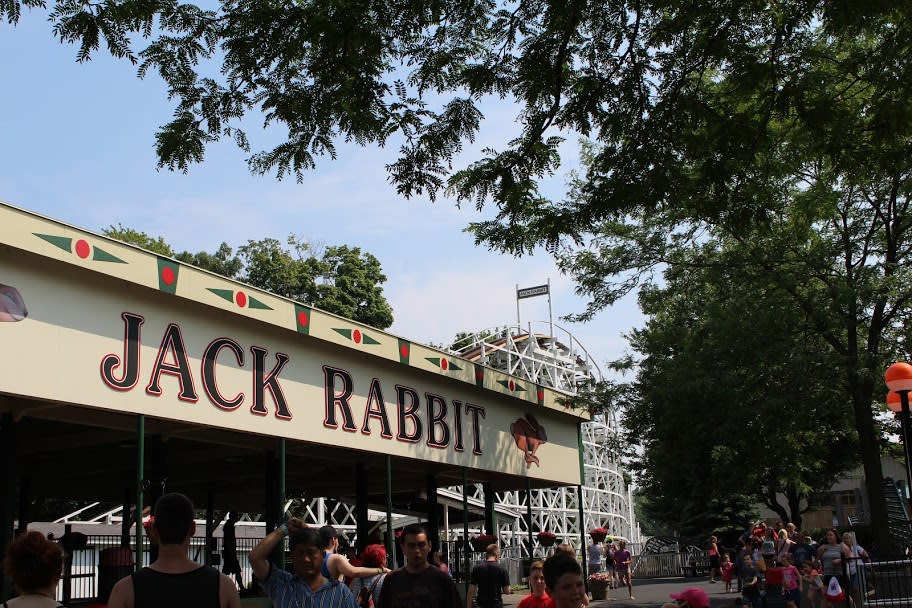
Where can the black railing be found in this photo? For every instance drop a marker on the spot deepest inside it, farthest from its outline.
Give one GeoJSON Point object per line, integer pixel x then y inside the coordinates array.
{"type": "Point", "coordinates": [90, 573]}
{"type": "Point", "coordinates": [886, 583]}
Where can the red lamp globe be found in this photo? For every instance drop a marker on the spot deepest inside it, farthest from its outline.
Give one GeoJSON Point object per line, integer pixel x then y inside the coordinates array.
{"type": "Point", "coordinates": [894, 402]}
{"type": "Point", "coordinates": [899, 377]}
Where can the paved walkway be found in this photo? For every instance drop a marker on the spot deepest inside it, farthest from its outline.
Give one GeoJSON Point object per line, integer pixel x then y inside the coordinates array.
{"type": "Point", "coordinates": [652, 592]}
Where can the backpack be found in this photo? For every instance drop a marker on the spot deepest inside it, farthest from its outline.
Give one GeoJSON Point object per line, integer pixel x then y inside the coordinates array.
{"type": "Point", "coordinates": [366, 595]}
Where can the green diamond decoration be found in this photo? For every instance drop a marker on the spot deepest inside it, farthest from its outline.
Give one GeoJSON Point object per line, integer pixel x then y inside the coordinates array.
{"type": "Point", "coordinates": [479, 375]}
{"type": "Point", "coordinates": [225, 294]}
{"type": "Point", "coordinates": [100, 255]}
{"type": "Point", "coordinates": [167, 275]}
{"type": "Point", "coordinates": [444, 364]}
{"type": "Point", "coordinates": [62, 242]}
{"type": "Point", "coordinates": [405, 349]}
{"type": "Point", "coordinates": [355, 335]}
{"type": "Point", "coordinates": [511, 386]}
{"type": "Point", "coordinates": [303, 316]}
{"type": "Point", "coordinates": [254, 303]}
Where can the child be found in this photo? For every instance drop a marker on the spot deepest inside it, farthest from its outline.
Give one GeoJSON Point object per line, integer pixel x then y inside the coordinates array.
{"type": "Point", "coordinates": [814, 583]}
{"type": "Point", "coordinates": [539, 597]}
{"type": "Point", "coordinates": [622, 565]}
{"type": "Point", "coordinates": [790, 578]}
{"type": "Point", "coordinates": [727, 567]}
{"type": "Point", "coordinates": [750, 583]}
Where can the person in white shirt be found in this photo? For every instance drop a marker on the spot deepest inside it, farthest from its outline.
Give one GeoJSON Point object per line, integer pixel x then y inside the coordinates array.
{"type": "Point", "coordinates": [855, 554]}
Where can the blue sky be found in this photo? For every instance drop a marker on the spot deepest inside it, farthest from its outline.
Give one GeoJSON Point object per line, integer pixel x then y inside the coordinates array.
{"type": "Point", "coordinates": [77, 144]}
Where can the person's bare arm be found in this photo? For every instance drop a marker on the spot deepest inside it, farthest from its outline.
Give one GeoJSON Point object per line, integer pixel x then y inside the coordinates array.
{"type": "Point", "coordinates": [228, 594]}
{"type": "Point", "coordinates": [259, 555]}
{"type": "Point", "coordinates": [470, 595]}
{"type": "Point", "coordinates": [340, 566]}
{"type": "Point", "coordinates": [122, 594]}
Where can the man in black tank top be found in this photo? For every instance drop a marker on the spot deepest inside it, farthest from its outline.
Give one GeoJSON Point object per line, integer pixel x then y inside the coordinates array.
{"type": "Point", "coordinates": [174, 580]}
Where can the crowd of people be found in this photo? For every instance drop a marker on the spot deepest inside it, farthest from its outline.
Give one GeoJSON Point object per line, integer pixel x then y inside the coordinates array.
{"type": "Point", "coordinates": [616, 559]}
{"type": "Point", "coordinates": [784, 557]}
{"type": "Point", "coordinates": [765, 559]}
{"type": "Point", "coordinates": [319, 575]}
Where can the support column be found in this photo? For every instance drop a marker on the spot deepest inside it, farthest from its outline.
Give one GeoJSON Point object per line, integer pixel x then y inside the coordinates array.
{"type": "Point", "coordinates": [269, 498]}
{"type": "Point", "coordinates": [531, 540]}
{"type": "Point", "coordinates": [433, 523]}
{"type": "Point", "coordinates": [466, 548]}
{"type": "Point", "coordinates": [156, 478]}
{"type": "Point", "coordinates": [140, 480]}
{"type": "Point", "coordinates": [8, 487]}
{"type": "Point", "coordinates": [488, 508]}
{"type": "Point", "coordinates": [274, 513]}
{"type": "Point", "coordinates": [66, 581]}
{"type": "Point", "coordinates": [24, 486]}
{"type": "Point", "coordinates": [125, 520]}
{"type": "Point", "coordinates": [210, 528]}
{"type": "Point", "coordinates": [280, 513]}
{"type": "Point", "coordinates": [390, 549]}
{"type": "Point", "coordinates": [362, 525]}
{"type": "Point", "coordinates": [579, 505]}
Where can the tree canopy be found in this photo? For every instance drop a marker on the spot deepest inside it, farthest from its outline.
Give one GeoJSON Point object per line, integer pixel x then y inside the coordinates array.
{"type": "Point", "coordinates": [784, 128]}
{"type": "Point", "coordinates": [681, 95]}
{"type": "Point", "coordinates": [735, 388]}
{"type": "Point", "coordinates": [341, 279]}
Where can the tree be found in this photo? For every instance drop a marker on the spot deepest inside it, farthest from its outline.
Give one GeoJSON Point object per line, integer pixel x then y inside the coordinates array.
{"type": "Point", "coordinates": [706, 114]}
{"type": "Point", "coordinates": [348, 284]}
{"type": "Point", "coordinates": [414, 74]}
{"type": "Point", "coordinates": [733, 388]}
{"type": "Point", "coordinates": [141, 239]}
{"type": "Point", "coordinates": [342, 280]}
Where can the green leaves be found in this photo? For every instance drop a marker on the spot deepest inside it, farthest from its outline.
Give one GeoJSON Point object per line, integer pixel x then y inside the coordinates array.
{"type": "Point", "coordinates": [689, 104]}
{"type": "Point", "coordinates": [342, 280]}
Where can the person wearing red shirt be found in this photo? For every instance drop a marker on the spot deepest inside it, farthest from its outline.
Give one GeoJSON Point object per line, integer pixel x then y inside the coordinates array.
{"type": "Point", "coordinates": [539, 597]}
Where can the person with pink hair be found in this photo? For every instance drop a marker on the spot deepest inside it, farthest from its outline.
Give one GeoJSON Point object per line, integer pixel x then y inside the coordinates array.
{"type": "Point", "coordinates": [372, 556]}
{"type": "Point", "coordinates": [692, 597]}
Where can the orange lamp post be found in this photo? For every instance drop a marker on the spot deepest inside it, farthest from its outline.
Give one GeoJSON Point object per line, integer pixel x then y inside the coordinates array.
{"type": "Point", "coordinates": [899, 381]}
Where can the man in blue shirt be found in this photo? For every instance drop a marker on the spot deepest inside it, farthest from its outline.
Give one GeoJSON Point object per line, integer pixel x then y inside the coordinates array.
{"type": "Point", "coordinates": [307, 587]}
{"type": "Point", "coordinates": [803, 552]}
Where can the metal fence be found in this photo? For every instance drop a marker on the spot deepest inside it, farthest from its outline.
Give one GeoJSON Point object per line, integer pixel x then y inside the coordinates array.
{"type": "Point", "coordinates": [90, 572]}
{"type": "Point", "coordinates": [886, 583]}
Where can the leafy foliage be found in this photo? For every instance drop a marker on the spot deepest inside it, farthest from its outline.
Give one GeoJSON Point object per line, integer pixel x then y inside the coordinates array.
{"type": "Point", "coordinates": [680, 96]}
{"type": "Point", "coordinates": [341, 280]}
{"type": "Point", "coordinates": [733, 388]}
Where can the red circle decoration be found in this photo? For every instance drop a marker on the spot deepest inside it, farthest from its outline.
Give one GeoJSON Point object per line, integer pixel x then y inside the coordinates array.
{"type": "Point", "coordinates": [541, 395]}
{"type": "Point", "coordinates": [168, 275]}
{"type": "Point", "coordinates": [479, 375]}
{"type": "Point", "coordinates": [512, 385]}
{"type": "Point", "coordinates": [444, 364]}
{"type": "Point", "coordinates": [240, 299]}
{"type": "Point", "coordinates": [404, 350]}
{"type": "Point", "coordinates": [303, 320]}
{"type": "Point", "coordinates": [83, 249]}
{"type": "Point", "coordinates": [356, 336]}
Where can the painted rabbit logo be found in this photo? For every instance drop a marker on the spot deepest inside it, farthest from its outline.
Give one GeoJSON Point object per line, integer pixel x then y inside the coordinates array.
{"type": "Point", "coordinates": [12, 306]}
{"type": "Point", "coordinates": [528, 434]}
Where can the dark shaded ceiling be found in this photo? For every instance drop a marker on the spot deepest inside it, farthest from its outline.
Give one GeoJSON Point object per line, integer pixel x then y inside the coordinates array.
{"type": "Point", "coordinates": [70, 452]}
